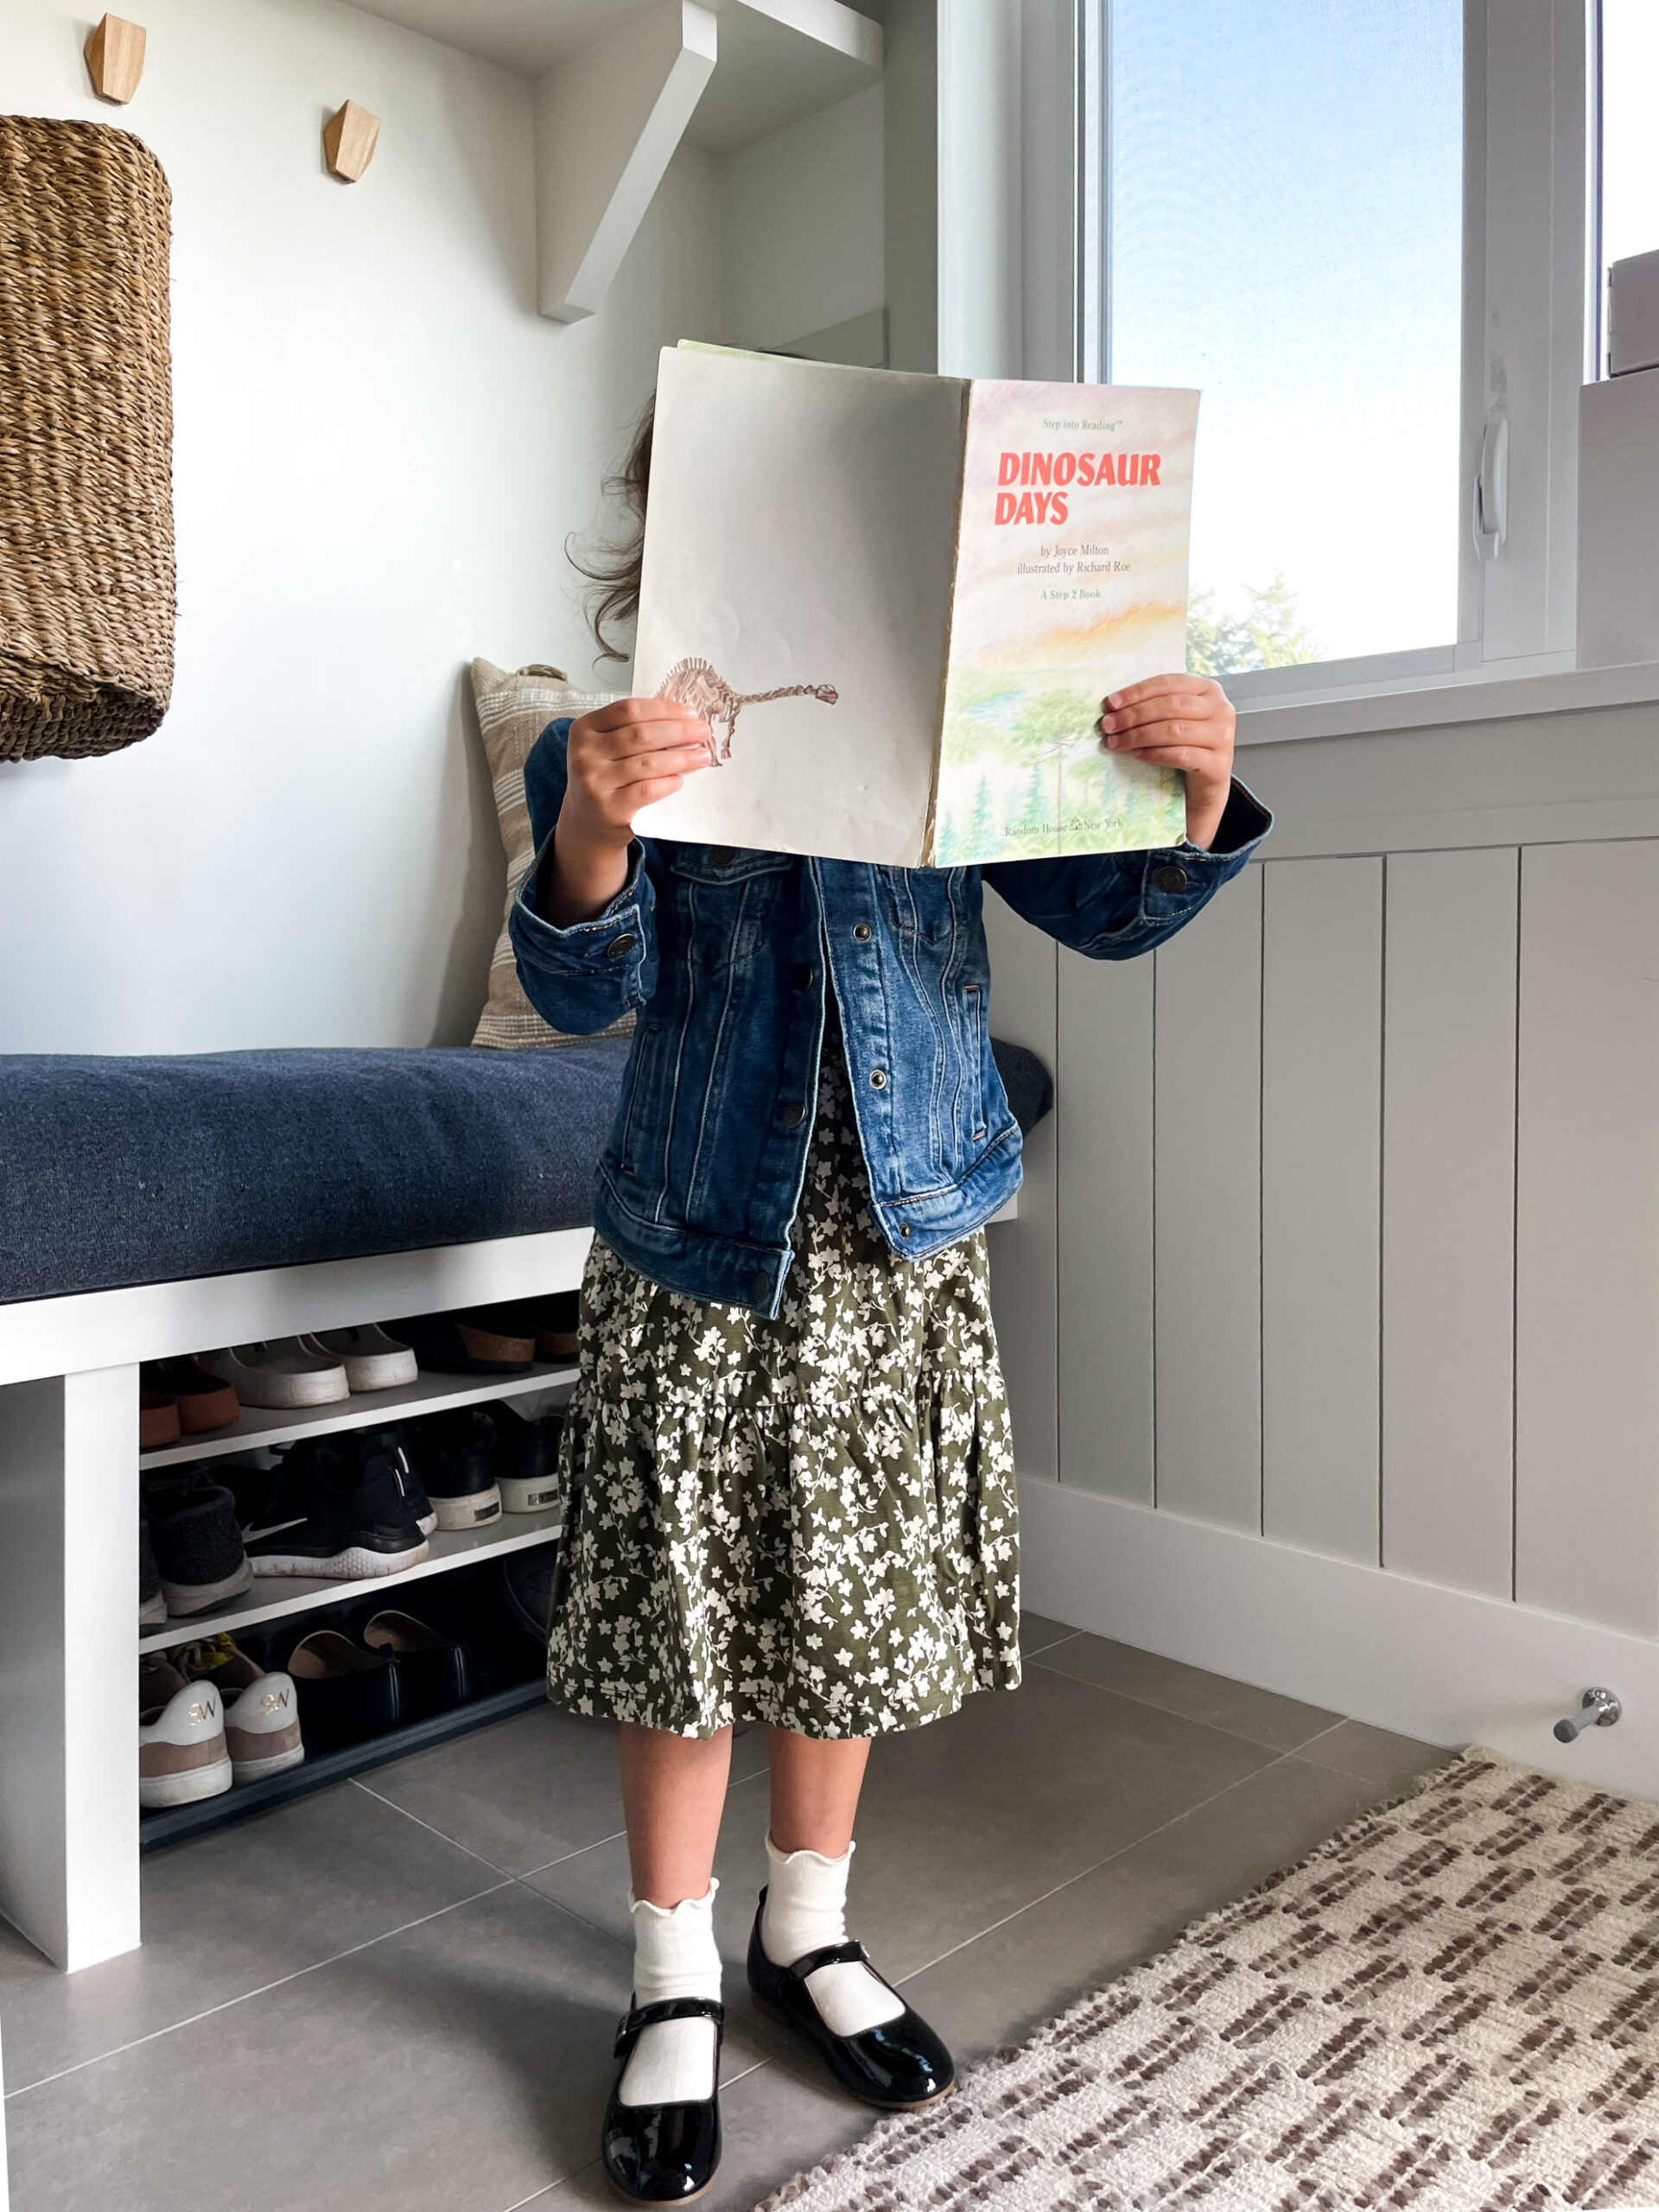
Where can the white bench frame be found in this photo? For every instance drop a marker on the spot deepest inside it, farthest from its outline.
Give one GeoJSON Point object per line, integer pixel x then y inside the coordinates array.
{"type": "Point", "coordinates": [69, 1543]}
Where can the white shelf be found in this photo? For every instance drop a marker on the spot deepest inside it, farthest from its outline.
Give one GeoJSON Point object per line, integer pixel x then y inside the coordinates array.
{"type": "Point", "coordinates": [274, 1595]}
{"type": "Point", "coordinates": [261, 1426]}
{"type": "Point", "coordinates": [778, 60]}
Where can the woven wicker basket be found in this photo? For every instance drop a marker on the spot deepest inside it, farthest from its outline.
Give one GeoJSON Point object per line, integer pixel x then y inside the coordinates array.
{"type": "Point", "coordinates": [86, 601]}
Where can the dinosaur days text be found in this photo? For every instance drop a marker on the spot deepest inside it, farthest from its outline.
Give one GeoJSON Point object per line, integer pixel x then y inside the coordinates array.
{"type": "Point", "coordinates": [1057, 471]}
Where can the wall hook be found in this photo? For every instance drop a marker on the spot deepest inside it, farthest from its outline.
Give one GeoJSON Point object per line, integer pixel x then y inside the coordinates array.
{"type": "Point", "coordinates": [1597, 1709]}
{"type": "Point", "coordinates": [348, 141]}
{"type": "Point", "coordinates": [115, 59]}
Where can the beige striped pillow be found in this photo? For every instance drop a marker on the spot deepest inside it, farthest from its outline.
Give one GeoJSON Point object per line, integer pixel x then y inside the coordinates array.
{"type": "Point", "coordinates": [512, 712]}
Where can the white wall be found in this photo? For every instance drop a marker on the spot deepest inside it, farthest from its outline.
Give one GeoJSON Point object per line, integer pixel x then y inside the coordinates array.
{"type": "Point", "coordinates": [803, 213]}
{"type": "Point", "coordinates": [380, 448]}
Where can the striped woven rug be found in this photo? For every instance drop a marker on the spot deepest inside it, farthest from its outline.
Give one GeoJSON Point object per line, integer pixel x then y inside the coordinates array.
{"type": "Point", "coordinates": [1454, 2005]}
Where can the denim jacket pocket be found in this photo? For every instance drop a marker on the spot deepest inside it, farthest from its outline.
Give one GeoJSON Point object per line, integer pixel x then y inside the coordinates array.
{"type": "Point", "coordinates": [719, 864]}
{"type": "Point", "coordinates": [724, 899]}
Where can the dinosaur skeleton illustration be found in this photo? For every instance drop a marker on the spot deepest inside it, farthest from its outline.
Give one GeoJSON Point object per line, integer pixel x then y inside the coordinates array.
{"type": "Point", "coordinates": [695, 683]}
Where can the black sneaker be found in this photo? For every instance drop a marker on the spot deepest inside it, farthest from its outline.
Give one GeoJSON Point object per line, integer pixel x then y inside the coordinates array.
{"type": "Point", "coordinates": [526, 1460]}
{"type": "Point", "coordinates": [152, 1604]}
{"type": "Point", "coordinates": [198, 1548]}
{"type": "Point", "coordinates": [455, 1454]}
{"type": "Point", "coordinates": [392, 1440]}
{"type": "Point", "coordinates": [328, 1510]}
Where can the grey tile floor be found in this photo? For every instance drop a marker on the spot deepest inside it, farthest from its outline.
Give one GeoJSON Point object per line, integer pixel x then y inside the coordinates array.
{"type": "Point", "coordinates": [399, 1994]}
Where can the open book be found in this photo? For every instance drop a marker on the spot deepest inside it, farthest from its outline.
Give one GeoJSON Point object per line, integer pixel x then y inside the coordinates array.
{"type": "Point", "coordinates": [899, 601]}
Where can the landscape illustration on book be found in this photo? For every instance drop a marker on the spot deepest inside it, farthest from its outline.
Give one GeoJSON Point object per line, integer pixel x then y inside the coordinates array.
{"type": "Point", "coordinates": [958, 570]}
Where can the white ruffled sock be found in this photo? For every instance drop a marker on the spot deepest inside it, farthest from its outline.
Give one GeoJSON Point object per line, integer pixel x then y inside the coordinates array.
{"type": "Point", "coordinates": [674, 1955]}
{"type": "Point", "coordinates": [806, 1910]}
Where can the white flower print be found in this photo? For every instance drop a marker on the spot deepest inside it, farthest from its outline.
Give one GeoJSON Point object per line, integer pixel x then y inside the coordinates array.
{"type": "Point", "coordinates": [810, 1522]}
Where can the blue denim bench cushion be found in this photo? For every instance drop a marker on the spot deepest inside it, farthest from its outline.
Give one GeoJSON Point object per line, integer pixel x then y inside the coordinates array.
{"type": "Point", "coordinates": [115, 1172]}
{"type": "Point", "coordinates": [128, 1171]}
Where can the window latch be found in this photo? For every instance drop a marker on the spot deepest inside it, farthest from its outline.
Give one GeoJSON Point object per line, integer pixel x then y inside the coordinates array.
{"type": "Point", "coordinates": [1491, 499]}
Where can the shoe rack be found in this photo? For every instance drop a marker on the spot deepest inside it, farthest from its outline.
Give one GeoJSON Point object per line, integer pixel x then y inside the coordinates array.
{"type": "Point", "coordinates": [275, 1595]}
{"type": "Point", "coordinates": [70, 1839]}
{"type": "Point", "coordinates": [280, 1597]}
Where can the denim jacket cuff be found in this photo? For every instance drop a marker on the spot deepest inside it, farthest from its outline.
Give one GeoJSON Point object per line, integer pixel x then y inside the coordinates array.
{"type": "Point", "coordinates": [590, 948]}
{"type": "Point", "coordinates": [1179, 879]}
{"type": "Point", "coordinates": [1244, 822]}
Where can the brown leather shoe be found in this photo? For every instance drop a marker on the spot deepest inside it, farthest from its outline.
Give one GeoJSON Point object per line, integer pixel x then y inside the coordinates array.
{"type": "Point", "coordinates": [203, 1400]}
{"type": "Point", "coordinates": [158, 1416]}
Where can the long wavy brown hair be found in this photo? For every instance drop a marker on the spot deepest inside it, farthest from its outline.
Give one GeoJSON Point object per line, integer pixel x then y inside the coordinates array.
{"type": "Point", "coordinates": [612, 566]}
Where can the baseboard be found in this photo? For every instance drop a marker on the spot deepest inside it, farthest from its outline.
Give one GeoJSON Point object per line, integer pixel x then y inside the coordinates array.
{"type": "Point", "coordinates": [1428, 1661]}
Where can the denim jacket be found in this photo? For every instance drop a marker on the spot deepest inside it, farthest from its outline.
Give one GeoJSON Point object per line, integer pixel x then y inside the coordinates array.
{"type": "Point", "coordinates": [724, 954]}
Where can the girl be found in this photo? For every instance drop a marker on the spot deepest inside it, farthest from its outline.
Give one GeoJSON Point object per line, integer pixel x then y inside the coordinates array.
{"type": "Point", "coordinates": [790, 1492]}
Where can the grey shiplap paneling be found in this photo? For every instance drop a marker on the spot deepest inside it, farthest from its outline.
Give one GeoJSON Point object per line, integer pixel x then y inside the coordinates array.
{"type": "Point", "coordinates": [1448, 1217]}
{"type": "Point", "coordinates": [1587, 1245]}
{"type": "Point", "coordinates": [1321, 1054]}
{"type": "Point", "coordinates": [1105, 1226]}
{"type": "Point", "coordinates": [1546, 778]}
{"type": "Point", "coordinates": [1023, 1258]}
{"type": "Point", "coordinates": [1208, 1220]}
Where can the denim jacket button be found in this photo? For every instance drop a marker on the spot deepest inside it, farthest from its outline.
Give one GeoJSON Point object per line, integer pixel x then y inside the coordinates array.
{"type": "Point", "coordinates": [619, 947]}
{"type": "Point", "coordinates": [1171, 877]}
{"type": "Point", "coordinates": [762, 1287]}
{"type": "Point", "coordinates": [794, 1114]}
{"type": "Point", "coordinates": [721, 855]}
{"type": "Point", "coordinates": [878, 1078]}
{"type": "Point", "coordinates": [862, 932]}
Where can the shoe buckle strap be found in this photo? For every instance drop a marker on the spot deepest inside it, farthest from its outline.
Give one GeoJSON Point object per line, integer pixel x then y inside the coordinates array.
{"type": "Point", "coordinates": [832, 1954]}
{"type": "Point", "coordinates": [634, 2022]}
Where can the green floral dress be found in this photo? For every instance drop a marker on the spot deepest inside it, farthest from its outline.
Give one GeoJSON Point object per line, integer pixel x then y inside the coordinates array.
{"type": "Point", "coordinates": [808, 1522]}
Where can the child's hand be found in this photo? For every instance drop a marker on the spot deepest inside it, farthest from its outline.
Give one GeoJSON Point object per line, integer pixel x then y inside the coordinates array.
{"type": "Point", "coordinates": [617, 759]}
{"type": "Point", "coordinates": [621, 756]}
{"type": "Point", "coordinates": [1179, 721]}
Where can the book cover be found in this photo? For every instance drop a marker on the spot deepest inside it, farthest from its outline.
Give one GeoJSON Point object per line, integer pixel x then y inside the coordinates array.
{"type": "Point", "coordinates": [898, 623]}
{"type": "Point", "coordinates": [1070, 582]}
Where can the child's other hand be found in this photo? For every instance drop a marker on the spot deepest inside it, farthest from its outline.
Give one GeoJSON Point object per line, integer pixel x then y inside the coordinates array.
{"type": "Point", "coordinates": [621, 757]}
{"type": "Point", "coordinates": [1179, 721]}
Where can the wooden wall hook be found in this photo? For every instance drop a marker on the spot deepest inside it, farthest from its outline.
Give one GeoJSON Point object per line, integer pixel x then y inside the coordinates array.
{"type": "Point", "coordinates": [348, 141]}
{"type": "Point", "coordinates": [115, 57]}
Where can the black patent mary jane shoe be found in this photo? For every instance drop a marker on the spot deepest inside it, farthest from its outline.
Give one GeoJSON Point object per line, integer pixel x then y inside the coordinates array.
{"type": "Point", "coordinates": [664, 2154]}
{"type": "Point", "coordinates": [898, 2065]}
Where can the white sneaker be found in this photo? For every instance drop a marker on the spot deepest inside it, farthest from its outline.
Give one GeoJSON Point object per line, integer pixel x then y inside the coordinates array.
{"type": "Point", "coordinates": [262, 1715]}
{"type": "Point", "coordinates": [280, 1373]}
{"type": "Point", "coordinates": [182, 1750]}
{"type": "Point", "coordinates": [373, 1360]}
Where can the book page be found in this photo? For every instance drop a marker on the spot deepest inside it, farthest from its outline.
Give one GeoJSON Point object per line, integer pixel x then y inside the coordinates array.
{"type": "Point", "coordinates": [1070, 582]}
{"type": "Point", "coordinates": [799, 550]}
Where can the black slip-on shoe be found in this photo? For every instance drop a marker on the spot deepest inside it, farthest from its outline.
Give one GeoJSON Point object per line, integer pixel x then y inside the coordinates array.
{"type": "Point", "coordinates": [346, 1692]}
{"type": "Point", "coordinates": [897, 2066]}
{"type": "Point", "coordinates": [438, 1673]}
{"type": "Point", "coordinates": [664, 2154]}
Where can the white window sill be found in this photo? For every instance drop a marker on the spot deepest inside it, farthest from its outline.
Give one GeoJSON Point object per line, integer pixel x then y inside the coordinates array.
{"type": "Point", "coordinates": [1353, 711]}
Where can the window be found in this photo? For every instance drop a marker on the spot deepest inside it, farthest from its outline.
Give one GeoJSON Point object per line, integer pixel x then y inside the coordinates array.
{"type": "Point", "coordinates": [1361, 228]}
{"type": "Point", "coordinates": [1284, 209]}
{"type": "Point", "coordinates": [1628, 164]}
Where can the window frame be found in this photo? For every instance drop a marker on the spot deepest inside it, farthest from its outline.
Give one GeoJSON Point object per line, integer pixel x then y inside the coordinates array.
{"type": "Point", "coordinates": [1529, 325]}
